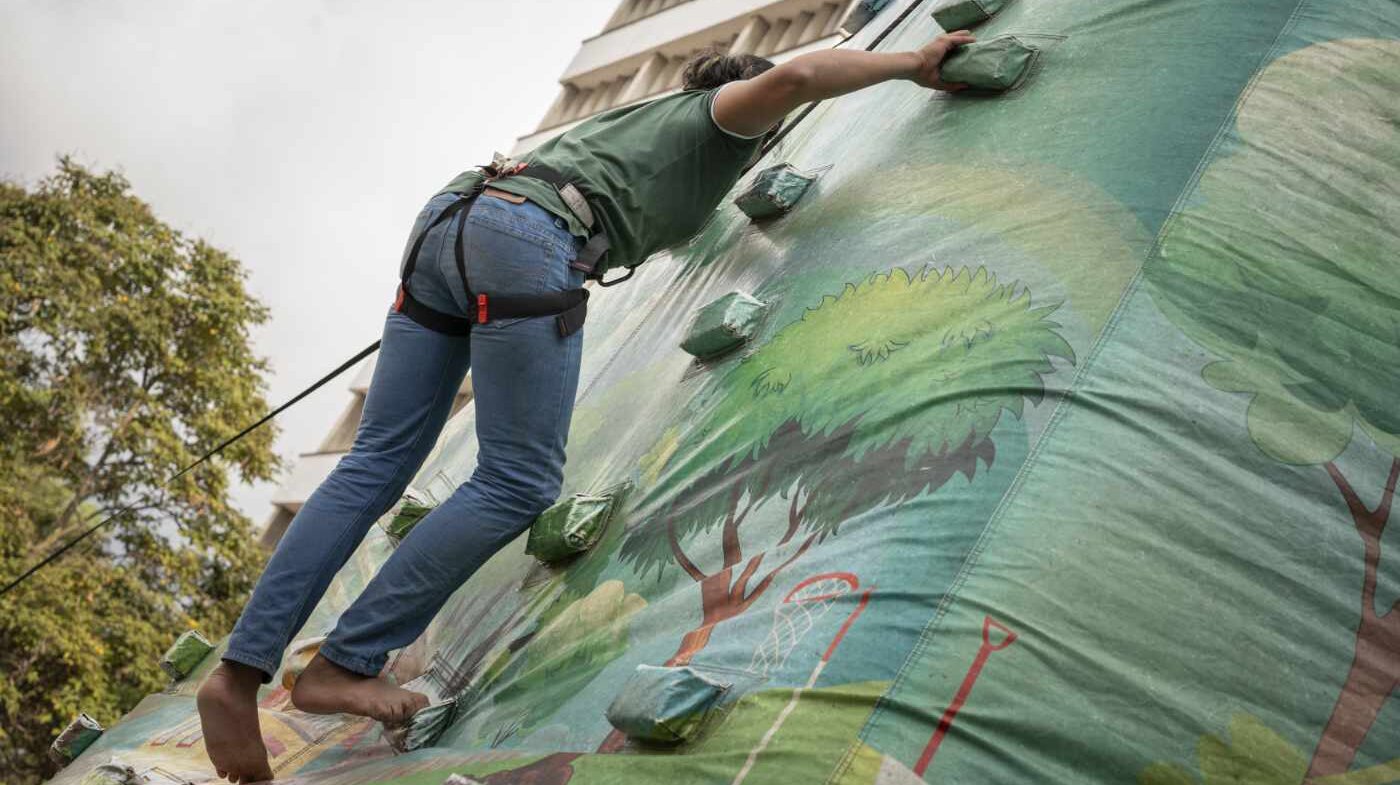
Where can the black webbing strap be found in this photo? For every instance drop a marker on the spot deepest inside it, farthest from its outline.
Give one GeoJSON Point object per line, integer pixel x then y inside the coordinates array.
{"type": "Point", "coordinates": [410, 306]}
{"type": "Point", "coordinates": [569, 307]}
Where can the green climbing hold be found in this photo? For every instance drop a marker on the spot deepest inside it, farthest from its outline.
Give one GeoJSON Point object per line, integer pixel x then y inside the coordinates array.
{"type": "Point", "coordinates": [185, 654]}
{"type": "Point", "coordinates": [664, 705]}
{"type": "Point", "coordinates": [774, 191]}
{"type": "Point", "coordinates": [996, 64]}
{"type": "Point", "coordinates": [78, 736]}
{"type": "Point", "coordinates": [425, 727]}
{"type": "Point", "coordinates": [861, 15]}
{"type": "Point", "coordinates": [408, 516]}
{"type": "Point", "coordinates": [571, 526]}
{"type": "Point", "coordinates": [961, 14]}
{"type": "Point", "coordinates": [114, 772]}
{"type": "Point", "coordinates": [723, 325]}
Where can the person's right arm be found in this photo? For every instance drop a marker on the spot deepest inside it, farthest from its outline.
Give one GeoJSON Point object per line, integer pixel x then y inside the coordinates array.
{"type": "Point", "coordinates": [751, 106]}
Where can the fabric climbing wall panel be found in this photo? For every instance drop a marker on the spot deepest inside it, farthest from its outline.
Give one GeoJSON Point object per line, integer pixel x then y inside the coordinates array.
{"type": "Point", "coordinates": [1064, 450]}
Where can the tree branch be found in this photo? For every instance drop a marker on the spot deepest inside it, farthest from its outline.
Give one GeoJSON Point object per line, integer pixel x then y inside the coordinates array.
{"type": "Point", "coordinates": [1355, 506]}
{"type": "Point", "coordinates": [1370, 524]}
{"type": "Point", "coordinates": [743, 581]}
{"type": "Point", "coordinates": [795, 515]}
{"type": "Point", "coordinates": [681, 559]}
{"type": "Point", "coordinates": [62, 527]}
{"type": "Point", "coordinates": [768, 579]}
{"type": "Point", "coordinates": [1388, 495]}
{"type": "Point", "coordinates": [733, 553]}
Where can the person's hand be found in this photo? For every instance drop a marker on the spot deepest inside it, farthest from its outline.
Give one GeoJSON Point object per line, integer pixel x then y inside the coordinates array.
{"type": "Point", "coordinates": [931, 55]}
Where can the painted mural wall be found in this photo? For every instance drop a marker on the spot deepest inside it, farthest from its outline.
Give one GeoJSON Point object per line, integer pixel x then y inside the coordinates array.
{"type": "Point", "coordinates": [1065, 450]}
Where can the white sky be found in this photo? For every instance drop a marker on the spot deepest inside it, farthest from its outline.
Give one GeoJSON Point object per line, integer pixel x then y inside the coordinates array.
{"type": "Point", "coordinates": [302, 136]}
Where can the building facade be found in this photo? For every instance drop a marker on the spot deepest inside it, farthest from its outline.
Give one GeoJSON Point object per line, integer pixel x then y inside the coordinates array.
{"type": "Point", "coordinates": [640, 52]}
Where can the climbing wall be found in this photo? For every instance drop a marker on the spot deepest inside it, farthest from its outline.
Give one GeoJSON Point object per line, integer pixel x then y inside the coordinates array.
{"type": "Point", "coordinates": [1050, 436]}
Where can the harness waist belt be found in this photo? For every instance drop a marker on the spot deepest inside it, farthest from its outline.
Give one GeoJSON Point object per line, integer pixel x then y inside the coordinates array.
{"type": "Point", "coordinates": [569, 307]}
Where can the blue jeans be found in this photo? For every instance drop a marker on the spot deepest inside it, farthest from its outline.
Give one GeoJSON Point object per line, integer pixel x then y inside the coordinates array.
{"type": "Point", "coordinates": [524, 380]}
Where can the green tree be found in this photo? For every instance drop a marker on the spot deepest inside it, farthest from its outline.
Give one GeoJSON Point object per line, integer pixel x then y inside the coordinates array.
{"type": "Point", "coordinates": [875, 396]}
{"type": "Point", "coordinates": [1285, 270]}
{"type": "Point", "coordinates": [124, 355]}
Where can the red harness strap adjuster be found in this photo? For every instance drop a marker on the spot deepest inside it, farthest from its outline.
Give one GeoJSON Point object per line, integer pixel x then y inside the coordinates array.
{"type": "Point", "coordinates": [481, 309]}
{"type": "Point", "coordinates": [398, 299]}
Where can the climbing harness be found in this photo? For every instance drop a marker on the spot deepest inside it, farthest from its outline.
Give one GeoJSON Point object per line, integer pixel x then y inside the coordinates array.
{"type": "Point", "coordinates": [569, 308]}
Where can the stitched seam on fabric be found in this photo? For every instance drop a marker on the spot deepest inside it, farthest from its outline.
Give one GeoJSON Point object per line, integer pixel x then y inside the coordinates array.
{"type": "Point", "coordinates": [340, 540]}
{"type": "Point", "coordinates": [1061, 411]}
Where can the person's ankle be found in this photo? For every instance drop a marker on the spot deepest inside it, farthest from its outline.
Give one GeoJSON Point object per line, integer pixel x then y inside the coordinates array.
{"type": "Point", "coordinates": [243, 677]}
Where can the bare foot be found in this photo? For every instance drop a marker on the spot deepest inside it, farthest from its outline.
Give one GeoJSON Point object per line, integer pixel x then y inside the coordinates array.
{"type": "Point", "coordinates": [228, 713]}
{"type": "Point", "coordinates": [327, 688]}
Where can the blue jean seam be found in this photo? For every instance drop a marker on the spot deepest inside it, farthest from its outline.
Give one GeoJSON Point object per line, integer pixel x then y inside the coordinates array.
{"type": "Point", "coordinates": [292, 618]}
{"type": "Point", "coordinates": [267, 667]}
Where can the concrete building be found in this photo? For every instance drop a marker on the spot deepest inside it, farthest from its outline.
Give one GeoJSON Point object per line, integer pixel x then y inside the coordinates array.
{"type": "Point", "coordinates": [639, 54]}
{"type": "Point", "coordinates": [637, 57]}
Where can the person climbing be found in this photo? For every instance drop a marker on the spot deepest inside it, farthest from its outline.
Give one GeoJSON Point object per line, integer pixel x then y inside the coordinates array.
{"type": "Point", "coordinates": [500, 247]}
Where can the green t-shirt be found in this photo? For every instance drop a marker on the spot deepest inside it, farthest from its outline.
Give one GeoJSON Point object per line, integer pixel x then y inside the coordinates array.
{"type": "Point", "coordinates": [652, 173]}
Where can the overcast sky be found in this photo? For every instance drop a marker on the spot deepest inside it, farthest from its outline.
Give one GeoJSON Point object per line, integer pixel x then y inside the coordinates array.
{"type": "Point", "coordinates": [302, 136]}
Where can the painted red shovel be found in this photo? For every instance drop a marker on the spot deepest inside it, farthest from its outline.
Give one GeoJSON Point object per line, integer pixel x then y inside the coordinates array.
{"type": "Point", "coordinates": [983, 652]}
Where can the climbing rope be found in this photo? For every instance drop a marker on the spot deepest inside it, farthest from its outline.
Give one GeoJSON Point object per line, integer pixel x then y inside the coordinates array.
{"type": "Point", "coordinates": [65, 547]}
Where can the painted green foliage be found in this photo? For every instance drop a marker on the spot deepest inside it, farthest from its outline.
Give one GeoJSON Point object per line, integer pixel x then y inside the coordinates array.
{"type": "Point", "coordinates": [1255, 755]}
{"type": "Point", "coordinates": [570, 649]}
{"type": "Point", "coordinates": [1300, 299]}
{"type": "Point", "coordinates": [1285, 270]}
{"type": "Point", "coordinates": [877, 395]}
{"type": "Point", "coordinates": [1252, 755]}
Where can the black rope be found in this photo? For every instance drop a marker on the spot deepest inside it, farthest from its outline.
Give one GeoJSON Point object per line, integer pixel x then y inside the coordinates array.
{"type": "Point", "coordinates": [783, 132]}
{"type": "Point", "coordinates": [64, 548]}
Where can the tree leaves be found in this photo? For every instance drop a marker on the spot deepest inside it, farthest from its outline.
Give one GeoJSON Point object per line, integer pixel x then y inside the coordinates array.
{"type": "Point", "coordinates": [124, 355]}
{"type": "Point", "coordinates": [1284, 266]}
{"type": "Point", "coordinates": [877, 394]}
{"type": "Point", "coordinates": [1252, 755]}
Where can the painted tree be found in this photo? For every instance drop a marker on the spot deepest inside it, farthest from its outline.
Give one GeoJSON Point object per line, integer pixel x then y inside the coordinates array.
{"type": "Point", "coordinates": [877, 395]}
{"type": "Point", "coordinates": [1286, 271]}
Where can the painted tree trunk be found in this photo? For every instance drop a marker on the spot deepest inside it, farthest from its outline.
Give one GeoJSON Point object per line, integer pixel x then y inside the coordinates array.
{"type": "Point", "coordinates": [1374, 674]}
{"type": "Point", "coordinates": [718, 603]}
{"type": "Point", "coordinates": [1375, 665]}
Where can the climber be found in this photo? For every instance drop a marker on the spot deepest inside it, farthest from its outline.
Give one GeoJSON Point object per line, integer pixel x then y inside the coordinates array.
{"type": "Point", "coordinates": [499, 247]}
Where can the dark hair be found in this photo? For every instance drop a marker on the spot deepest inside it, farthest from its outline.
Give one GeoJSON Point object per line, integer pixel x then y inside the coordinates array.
{"type": "Point", "coordinates": [711, 68]}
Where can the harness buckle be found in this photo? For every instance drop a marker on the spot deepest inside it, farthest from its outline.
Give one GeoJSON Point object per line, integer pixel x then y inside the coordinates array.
{"type": "Point", "coordinates": [481, 308]}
